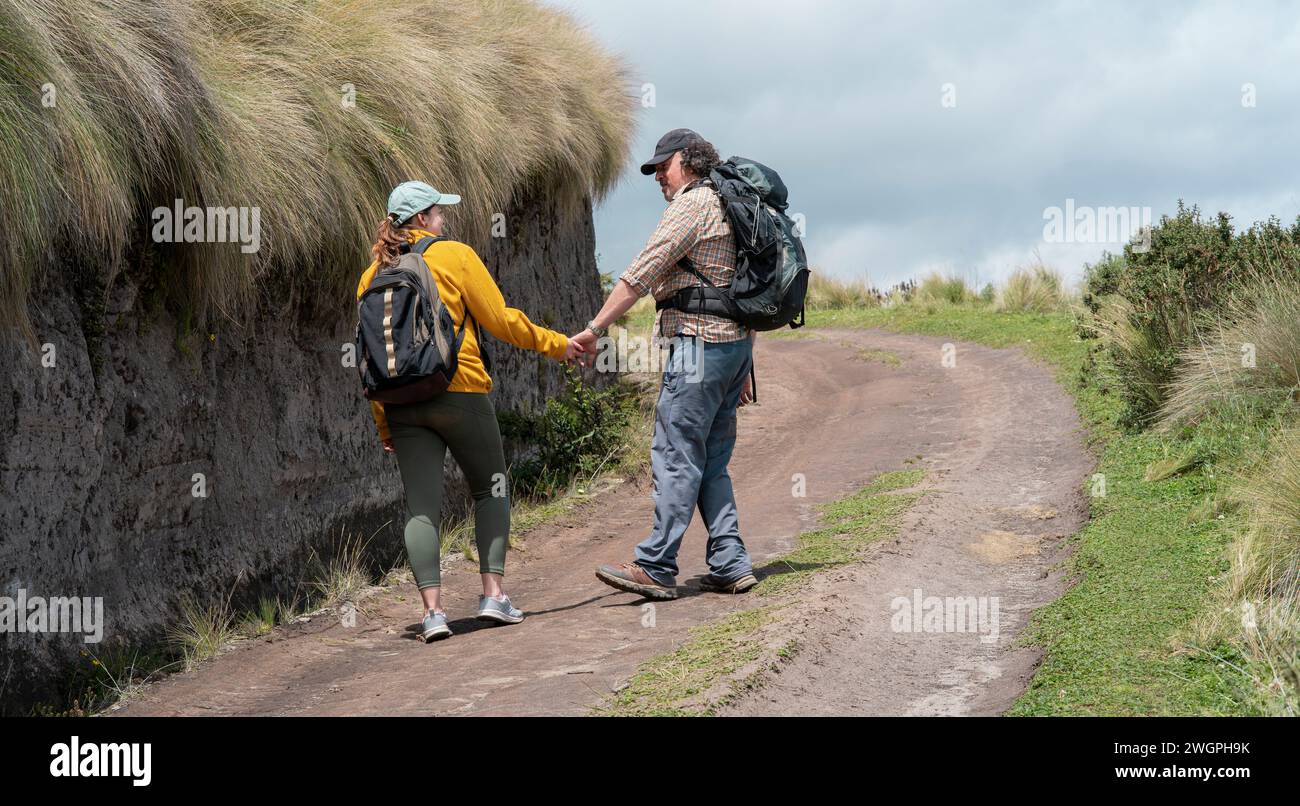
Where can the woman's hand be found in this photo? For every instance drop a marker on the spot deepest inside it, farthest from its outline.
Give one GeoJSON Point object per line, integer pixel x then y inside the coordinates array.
{"type": "Point", "coordinates": [388, 446]}
{"type": "Point", "coordinates": [582, 348]}
{"type": "Point", "coordinates": [576, 351]}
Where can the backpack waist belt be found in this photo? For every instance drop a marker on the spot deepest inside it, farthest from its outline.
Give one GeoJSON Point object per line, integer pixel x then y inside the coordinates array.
{"type": "Point", "coordinates": [698, 299]}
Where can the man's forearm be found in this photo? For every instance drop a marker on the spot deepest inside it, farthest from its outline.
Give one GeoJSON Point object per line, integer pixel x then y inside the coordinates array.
{"type": "Point", "coordinates": [620, 300]}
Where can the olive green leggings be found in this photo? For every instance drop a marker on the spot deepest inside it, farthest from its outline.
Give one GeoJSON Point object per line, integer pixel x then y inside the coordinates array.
{"type": "Point", "coordinates": [422, 432]}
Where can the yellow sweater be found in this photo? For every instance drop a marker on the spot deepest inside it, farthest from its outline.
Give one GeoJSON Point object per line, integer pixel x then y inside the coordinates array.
{"type": "Point", "coordinates": [462, 278]}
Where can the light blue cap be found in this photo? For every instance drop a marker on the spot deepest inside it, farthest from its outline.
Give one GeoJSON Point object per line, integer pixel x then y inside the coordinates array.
{"type": "Point", "coordinates": [410, 198]}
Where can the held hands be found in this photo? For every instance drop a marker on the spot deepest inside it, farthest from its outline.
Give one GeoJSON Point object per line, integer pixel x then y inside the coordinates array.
{"type": "Point", "coordinates": [582, 349]}
{"type": "Point", "coordinates": [573, 353]}
{"type": "Point", "coordinates": [580, 352]}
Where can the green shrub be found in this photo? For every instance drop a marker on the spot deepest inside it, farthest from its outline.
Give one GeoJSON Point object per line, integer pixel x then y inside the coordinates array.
{"type": "Point", "coordinates": [1147, 305]}
{"type": "Point", "coordinates": [575, 435]}
{"type": "Point", "coordinates": [1101, 279]}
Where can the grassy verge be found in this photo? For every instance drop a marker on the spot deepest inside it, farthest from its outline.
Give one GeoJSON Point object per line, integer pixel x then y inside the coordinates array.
{"type": "Point", "coordinates": [1124, 639]}
{"type": "Point", "coordinates": [720, 660]}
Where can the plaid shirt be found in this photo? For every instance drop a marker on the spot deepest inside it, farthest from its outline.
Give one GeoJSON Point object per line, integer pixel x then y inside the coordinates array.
{"type": "Point", "coordinates": [693, 226]}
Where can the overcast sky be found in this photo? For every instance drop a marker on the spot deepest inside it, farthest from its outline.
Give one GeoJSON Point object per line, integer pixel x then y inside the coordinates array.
{"type": "Point", "coordinates": [1109, 104]}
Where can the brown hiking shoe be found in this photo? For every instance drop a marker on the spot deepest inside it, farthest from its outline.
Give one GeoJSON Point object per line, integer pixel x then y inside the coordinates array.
{"type": "Point", "coordinates": [632, 578]}
{"type": "Point", "coordinates": [740, 584]}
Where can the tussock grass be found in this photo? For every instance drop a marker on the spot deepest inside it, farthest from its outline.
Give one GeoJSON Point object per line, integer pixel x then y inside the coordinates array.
{"type": "Point", "coordinates": [1245, 358]}
{"type": "Point", "coordinates": [1170, 466]}
{"type": "Point", "coordinates": [1260, 604]}
{"type": "Point", "coordinates": [1135, 362]}
{"type": "Point", "coordinates": [1035, 289]}
{"type": "Point", "coordinates": [940, 288]}
{"type": "Point", "coordinates": [831, 293]}
{"type": "Point", "coordinates": [110, 675]}
{"type": "Point", "coordinates": [457, 536]}
{"type": "Point", "coordinates": [641, 316]}
{"type": "Point", "coordinates": [262, 619]}
{"type": "Point", "coordinates": [247, 104]}
{"type": "Point", "coordinates": [202, 631]}
{"type": "Point", "coordinates": [344, 576]}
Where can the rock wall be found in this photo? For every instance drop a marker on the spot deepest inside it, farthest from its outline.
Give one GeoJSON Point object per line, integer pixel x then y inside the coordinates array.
{"type": "Point", "coordinates": [100, 459]}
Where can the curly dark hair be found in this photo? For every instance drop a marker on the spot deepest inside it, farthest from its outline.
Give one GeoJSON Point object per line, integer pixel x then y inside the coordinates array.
{"type": "Point", "coordinates": [700, 157]}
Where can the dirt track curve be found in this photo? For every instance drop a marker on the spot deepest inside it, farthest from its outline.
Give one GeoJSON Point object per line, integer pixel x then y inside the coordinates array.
{"type": "Point", "coordinates": [1005, 466]}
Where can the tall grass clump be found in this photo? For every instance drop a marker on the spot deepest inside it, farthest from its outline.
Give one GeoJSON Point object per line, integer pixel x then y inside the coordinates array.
{"type": "Point", "coordinates": [203, 630]}
{"type": "Point", "coordinates": [345, 575]}
{"type": "Point", "coordinates": [1244, 360]}
{"type": "Point", "coordinates": [946, 289]}
{"type": "Point", "coordinates": [1036, 289]}
{"type": "Point", "coordinates": [309, 112]}
{"type": "Point", "coordinates": [1259, 613]}
{"type": "Point", "coordinates": [827, 293]}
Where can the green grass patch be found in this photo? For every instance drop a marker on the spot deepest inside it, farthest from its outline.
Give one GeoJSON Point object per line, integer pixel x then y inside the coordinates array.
{"type": "Point", "coordinates": [852, 524]}
{"type": "Point", "coordinates": [676, 683]}
{"type": "Point", "coordinates": [880, 357]}
{"type": "Point", "coordinates": [1116, 640]}
{"type": "Point", "coordinates": [664, 686]}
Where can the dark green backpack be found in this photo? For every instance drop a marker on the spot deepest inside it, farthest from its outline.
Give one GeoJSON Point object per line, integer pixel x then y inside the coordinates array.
{"type": "Point", "coordinates": [771, 277]}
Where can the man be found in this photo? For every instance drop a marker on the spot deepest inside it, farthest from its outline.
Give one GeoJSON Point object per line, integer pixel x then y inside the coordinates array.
{"type": "Point", "coordinates": [707, 377]}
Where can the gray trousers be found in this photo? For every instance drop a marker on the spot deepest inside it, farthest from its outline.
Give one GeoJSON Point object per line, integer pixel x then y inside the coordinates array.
{"type": "Point", "coordinates": [695, 431]}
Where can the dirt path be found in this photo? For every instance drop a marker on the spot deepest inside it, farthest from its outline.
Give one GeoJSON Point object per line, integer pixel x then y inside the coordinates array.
{"type": "Point", "coordinates": [1005, 462]}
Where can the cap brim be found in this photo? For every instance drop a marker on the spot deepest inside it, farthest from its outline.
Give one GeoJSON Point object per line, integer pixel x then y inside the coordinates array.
{"type": "Point", "coordinates": [648, 167]}
{"type": "Point", "coordinates": [447, 198]}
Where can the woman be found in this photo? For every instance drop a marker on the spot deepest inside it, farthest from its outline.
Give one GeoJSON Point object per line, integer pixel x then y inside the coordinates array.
{"type": "Point", "coordinates": [461, 418]}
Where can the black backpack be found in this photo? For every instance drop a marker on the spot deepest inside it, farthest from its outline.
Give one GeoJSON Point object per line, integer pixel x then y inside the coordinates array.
{"type": "Point", "coordinates": [407, 342]}
{"type": "Point", "coordinates": [771, 277]}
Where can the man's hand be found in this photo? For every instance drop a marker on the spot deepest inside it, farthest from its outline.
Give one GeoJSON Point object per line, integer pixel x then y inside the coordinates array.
{"type": "Point", "coordinates": [388, 446]}
{"type": "Point", "coordinates": [584, 343]}
{"type": "Point", "coordinates": [747, 391]}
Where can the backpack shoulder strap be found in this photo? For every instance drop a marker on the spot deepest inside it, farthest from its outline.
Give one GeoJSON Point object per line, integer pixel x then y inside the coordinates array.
{"type": "Point", "coordinates": [419, 248]}
{"type": "Point", "coordinates": [423, 244]}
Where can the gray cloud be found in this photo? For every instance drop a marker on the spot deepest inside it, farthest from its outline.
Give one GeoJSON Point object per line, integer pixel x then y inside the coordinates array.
{"type": "Point", "coordinates": [1113, 104]}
